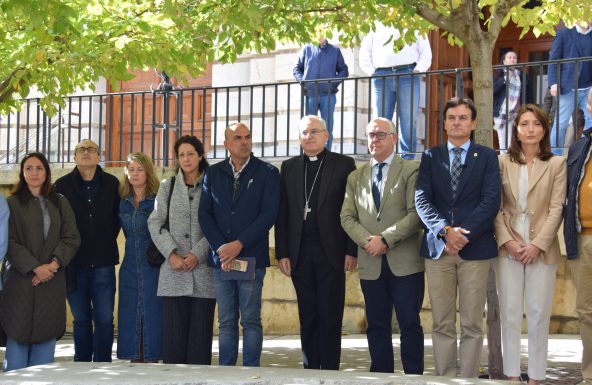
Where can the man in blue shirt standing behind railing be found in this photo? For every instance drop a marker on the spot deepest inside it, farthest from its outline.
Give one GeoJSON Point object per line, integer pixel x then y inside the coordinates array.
{"type": "Point", "coordinates": [322, 61]}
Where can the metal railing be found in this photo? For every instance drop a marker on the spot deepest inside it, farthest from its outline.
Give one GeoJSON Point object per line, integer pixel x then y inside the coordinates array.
{"type": "Point", "coordinates": [150, 121]}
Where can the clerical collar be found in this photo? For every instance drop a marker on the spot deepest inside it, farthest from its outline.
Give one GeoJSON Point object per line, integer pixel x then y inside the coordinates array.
{"type": "Point", "coordinates": [318, 156]}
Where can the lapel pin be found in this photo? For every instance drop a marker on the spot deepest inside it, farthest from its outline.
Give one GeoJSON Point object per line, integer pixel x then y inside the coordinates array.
{"type": "Point", "coordinates": [475, 154]}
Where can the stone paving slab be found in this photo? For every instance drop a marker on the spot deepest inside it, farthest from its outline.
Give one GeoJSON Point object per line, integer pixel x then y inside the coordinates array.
{"type": "Point", "coordinates": [283, 352]}
{"type": "Point", "coordinates": [71, 373]}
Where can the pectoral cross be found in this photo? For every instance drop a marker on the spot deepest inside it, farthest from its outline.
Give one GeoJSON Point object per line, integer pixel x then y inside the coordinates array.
{"type": "Point", "coordinates": [306, 210]}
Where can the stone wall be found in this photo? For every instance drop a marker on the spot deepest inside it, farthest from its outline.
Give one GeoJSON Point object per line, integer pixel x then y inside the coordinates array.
{"type": "Point", "coordinates": [280, 312]}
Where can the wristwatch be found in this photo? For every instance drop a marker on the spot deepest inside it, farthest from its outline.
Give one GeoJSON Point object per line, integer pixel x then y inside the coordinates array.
{"type": "Point", "coordinates": [442, 233]}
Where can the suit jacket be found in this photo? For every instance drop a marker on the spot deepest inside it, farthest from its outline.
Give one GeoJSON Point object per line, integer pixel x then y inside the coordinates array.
{"type": "Point", "coordinates": [397, 222]}
{"type": "Point", "coordinates": [474, 208]}
{"type": "Point", "coordinates": [246, 213]}
{"type": "Point", "coordinates": [288, 227]}
{"type": "Point", "coordinates": [568, 44]}
{"type": "Point", "coordinates": [546, 194]}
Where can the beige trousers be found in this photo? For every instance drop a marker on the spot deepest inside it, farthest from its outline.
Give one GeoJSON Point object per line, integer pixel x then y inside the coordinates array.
{"type": "Point", "coordinates": [444, 275]}
{"type": "Point", "coordinates": [582, 273]}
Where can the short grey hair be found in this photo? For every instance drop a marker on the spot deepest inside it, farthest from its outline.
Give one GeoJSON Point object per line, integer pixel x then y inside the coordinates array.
{"type": "Point", "coordinates": [308, 118]}
{"type": "Point", "coordinates": [391, 125]}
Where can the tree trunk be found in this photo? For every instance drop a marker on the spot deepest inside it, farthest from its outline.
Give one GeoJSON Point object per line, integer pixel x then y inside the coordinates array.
{"type": "Point", "coordinates": [480, 55]}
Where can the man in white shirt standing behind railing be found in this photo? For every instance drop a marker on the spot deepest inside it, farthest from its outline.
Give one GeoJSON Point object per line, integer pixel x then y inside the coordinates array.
{"type": "Point", "coordinates": [378, 58]}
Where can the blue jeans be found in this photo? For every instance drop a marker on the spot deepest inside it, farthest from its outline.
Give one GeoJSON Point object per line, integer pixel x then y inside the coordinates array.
{"type": "Point", "coordinates": [566, 110]}
{"type": "Point", "coordinates": [20, 356]}
{"type": "Point", "coordinates": [231, 297]}
{"type": "Point", "coordinates": [389, 91]}
{"type": "Point", "coordinates": [326, 104]}
{"type": "Point", "coordinates": [93, 302]}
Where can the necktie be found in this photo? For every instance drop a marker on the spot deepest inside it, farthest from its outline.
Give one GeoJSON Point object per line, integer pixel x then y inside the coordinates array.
{"type": "Point", "coordinates": [376, 186]}
{"type": "Point", "coordinates": [455, 170]}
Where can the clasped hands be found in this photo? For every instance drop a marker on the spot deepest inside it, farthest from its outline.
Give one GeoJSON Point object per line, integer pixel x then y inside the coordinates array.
{"type": "Point", "coordinates": [375, 246]}
{"type": "Point", "coordinates": [455, 240]}
{"type": "Point", "coordinates": [44, 273]}
{"type": "Point", "coordinates": [183, 263]}
{"type": "Point", "coordinates": [522, 253]}
{"type": "Point", "coordinates": [228, 253]}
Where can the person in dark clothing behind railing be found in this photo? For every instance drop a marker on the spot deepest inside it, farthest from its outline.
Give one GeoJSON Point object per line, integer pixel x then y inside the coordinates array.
{"type": "Point", "coordinates": [509, 84]}
{"type": "Point", "coordinates": [321, 61]}
{"type": "Point", "coordinates": [94, 197]}
{"type": "Point", "coordinates": [570, 43]}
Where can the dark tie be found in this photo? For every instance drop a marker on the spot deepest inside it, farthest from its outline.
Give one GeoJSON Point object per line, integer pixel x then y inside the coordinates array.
{"type": "Point", "coordinates": [376, 186]}
{"type": "Point", "coordinates": [455, 170]}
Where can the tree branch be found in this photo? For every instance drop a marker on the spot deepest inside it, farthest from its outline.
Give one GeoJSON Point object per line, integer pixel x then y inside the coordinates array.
{"type": "Point", "coordinates": [502, 8]}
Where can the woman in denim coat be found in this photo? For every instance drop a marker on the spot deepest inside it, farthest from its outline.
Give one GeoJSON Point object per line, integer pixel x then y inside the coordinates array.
{"type": "Point", "coordinates": [140, 310]}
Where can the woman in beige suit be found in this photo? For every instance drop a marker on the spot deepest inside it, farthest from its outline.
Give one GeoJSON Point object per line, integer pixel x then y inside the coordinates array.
{"type": "Point", "coordinates": [533, 191]}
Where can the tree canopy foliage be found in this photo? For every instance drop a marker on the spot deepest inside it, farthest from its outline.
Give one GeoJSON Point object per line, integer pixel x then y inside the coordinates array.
{"type": "Point", "coordinates": [59, 45]}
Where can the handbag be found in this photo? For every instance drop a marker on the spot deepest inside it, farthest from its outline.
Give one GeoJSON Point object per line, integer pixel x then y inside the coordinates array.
{"type": "Point", "coordinates": [153, 255]}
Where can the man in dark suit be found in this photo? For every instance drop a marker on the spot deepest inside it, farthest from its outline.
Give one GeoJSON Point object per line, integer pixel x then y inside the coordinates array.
{"type": "Point", "coordinates": [572, 90]}
{"type": "Point", "coordinates": [311, 246]}
{"type": "Point", "coordinates": [379, 215]}
{"type": "Point", "coordinates": [458, 196]}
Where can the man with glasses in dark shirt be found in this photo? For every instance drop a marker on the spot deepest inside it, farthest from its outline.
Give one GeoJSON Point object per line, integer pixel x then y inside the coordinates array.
{"type": "Point", "coordinates": [94, 197]}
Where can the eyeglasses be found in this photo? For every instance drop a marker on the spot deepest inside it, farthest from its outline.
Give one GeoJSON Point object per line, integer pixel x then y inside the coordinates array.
{"type": "Point", "coordinates": [310, 132]}
{"type": "Point", "coordinates": [379, 135]}
{"type": "Point", "coordinates": [90, 150]}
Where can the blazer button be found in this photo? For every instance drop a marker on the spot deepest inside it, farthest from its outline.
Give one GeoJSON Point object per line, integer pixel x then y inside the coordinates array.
{"type": "Point", "coordinates": [190, 198]}
{"type": "Point", "coordinates": [532, 213]}
{"type": "Point", "coordinates": [186, 236]}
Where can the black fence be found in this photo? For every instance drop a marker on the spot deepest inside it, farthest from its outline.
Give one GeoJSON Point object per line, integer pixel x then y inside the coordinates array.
{"type": "Point", "coordinates": [150, 121]}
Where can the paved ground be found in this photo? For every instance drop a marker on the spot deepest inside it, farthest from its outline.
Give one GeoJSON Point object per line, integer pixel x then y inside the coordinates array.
{"type": "Point", "coordinates": [284, 352]}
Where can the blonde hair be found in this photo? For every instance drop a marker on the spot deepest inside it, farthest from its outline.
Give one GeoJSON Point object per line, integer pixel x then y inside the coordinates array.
{"type": "Point", "coordinates": [152, 183]}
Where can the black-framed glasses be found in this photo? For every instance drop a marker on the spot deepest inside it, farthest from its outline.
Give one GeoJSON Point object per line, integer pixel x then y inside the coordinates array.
{"type": "Point", "coordinates": [90, 150]}
{"type": "Point", "coordinates": [379, 135]}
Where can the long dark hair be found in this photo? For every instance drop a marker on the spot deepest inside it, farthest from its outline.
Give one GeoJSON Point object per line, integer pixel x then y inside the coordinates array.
{"type": "Point", "coordinates": [21, 186]}
{"type": "Point", "coordinates": [515, 151]}
{"type": "Point", "coordinates": [199, 147]}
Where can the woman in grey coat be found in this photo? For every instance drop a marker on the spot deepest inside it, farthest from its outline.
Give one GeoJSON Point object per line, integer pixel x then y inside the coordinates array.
{"type": "Point", "coordinates": [42, 240]}
{"type": "Point", "coordinates": [185, 281]}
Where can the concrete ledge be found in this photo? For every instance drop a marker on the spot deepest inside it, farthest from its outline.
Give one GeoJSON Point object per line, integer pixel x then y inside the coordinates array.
{"type": "Point", "coordinates": [71, 373]}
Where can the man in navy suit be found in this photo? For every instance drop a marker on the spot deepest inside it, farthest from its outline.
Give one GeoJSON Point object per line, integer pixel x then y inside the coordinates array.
{"type": "Point", "coordinates": [457, 197]}
{"type": "Point", "coordinates": [570, 43]}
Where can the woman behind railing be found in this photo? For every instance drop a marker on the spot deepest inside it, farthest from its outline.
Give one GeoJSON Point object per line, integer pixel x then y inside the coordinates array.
{"type": "Point", "coordinates": [508, 86]}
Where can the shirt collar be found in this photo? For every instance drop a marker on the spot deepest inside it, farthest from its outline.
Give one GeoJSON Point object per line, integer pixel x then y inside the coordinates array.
{"type": "Point", "coordinates": [582, 31]}
{"type": "Point", "coordinates": [465, 146]}
{"type": "Point", "coordinates": [242, 168]}
{"type": "Point", "coordinates": [388, 160]}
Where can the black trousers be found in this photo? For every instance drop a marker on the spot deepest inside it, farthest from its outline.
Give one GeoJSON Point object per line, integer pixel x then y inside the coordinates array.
{"type": "Point", "coordinates": [188, 328]}
{"type": "Point", "coordinates": [405, 294]}
{"type": "Point", "coordinates": [320, 291]}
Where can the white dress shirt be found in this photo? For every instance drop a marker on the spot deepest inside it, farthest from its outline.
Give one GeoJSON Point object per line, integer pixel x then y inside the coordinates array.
{"type": "Point", "coordinates": [375, 54]}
